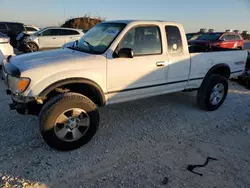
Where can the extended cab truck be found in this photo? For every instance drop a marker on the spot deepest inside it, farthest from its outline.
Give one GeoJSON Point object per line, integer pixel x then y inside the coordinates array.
{"type": "Point", "coordinates": [114, 62]}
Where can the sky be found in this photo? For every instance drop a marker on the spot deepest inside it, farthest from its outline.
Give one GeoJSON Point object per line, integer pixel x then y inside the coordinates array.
{"type": "Point", "coordinates": [193, 14]}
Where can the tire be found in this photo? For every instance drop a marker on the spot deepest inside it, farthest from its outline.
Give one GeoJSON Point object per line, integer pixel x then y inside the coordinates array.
{"type": "Point", "coordinates": [33, 46]}
{"type": "Point", "coordinates": [53, 110]}
{"type": "Point", "coordinates": [247, 83]}
{"type": "Point", "coordinates": [205, 91]}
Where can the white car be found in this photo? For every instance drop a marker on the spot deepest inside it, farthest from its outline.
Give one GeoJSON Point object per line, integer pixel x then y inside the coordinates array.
{"type": "Point", "coordinates": [114, 62]}
{"type": "Point", "coordinates": [30, 29]}
{"type": "Point", "coordinates": [5, 48]}
{"type": "Point", "coordinates": [52, 37]}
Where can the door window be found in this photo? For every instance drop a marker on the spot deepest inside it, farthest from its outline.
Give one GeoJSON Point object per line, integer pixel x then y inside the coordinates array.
{"type": "Point", "coordinates": [143, 40]}
{"type": "Point", "coordinates": [52, 32]}
{"type": "Point", "coordinates": [227, 37]}
{"type": "Point", "coordinates": [237, 37]}
{"type": "Point", "coordinates": [231, 37]}
{"type": "Point", "coordinates": [69, 32]}
{"type": "Point", "coordinates": [174, 40]}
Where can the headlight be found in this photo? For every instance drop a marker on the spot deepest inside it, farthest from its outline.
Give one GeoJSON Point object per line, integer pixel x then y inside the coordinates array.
{"type": "Point", "coordinates": [18, 85]}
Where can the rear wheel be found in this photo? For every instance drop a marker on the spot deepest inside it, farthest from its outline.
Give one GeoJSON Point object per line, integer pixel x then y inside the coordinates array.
{"type": "Point", "coordinates": [212, 92]}
{"type": "Point", "coordinates": [68, 121]}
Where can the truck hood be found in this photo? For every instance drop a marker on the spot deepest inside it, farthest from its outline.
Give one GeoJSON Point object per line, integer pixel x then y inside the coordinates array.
{"type": "Point", "coordinates": [32, 60]}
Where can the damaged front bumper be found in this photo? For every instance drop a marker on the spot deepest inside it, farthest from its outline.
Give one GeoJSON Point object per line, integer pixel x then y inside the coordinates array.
{"type": "Point", "coordinates": [24, 105]}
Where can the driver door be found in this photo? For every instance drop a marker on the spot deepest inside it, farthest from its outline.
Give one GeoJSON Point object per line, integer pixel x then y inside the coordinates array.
{"type": "Point", "coordinates": [144, 74]}
{"type": "Point", "coordinates": [51, 38]}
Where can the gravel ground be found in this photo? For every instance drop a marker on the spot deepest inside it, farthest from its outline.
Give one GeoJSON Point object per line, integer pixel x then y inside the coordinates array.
{"type": "Point", "coordinates": [138, 145]}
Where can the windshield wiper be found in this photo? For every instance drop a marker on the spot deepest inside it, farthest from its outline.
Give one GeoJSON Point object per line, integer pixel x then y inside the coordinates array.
{"type": "Point", "coordinates": [90, 46]}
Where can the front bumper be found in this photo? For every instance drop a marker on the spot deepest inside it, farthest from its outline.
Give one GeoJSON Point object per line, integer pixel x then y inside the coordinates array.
{"type": "Point", "coordinates": [23, 105]}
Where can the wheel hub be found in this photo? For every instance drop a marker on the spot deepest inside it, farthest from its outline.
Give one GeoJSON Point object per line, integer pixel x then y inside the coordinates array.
{"type": "Point", "coordinates": [72, 124]}
{"type": "Point", "coordinates": [217, 94]}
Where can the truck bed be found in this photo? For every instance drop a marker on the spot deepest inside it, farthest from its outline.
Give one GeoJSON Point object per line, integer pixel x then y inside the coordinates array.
{"type": "Point", "coordinates": [235, 59]}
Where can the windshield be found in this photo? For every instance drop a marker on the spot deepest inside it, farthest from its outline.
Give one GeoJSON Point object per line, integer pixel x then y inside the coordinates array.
{"type": "Point", "coordinates": [38, 32]}
{"type": "Point", "coordinates": [189, 36]}
{"type": "Point", "coordinates": [209, 36]}
{"type": "Point", "coordinates": [98, 39]}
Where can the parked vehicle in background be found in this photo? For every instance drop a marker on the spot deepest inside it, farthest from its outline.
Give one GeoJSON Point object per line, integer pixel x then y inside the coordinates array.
{"type": "Point", "coordinates": [5, 48]}
{"type": "Point", "coordinates": [12, 30]}
{"type": "Point", "coordinates": [193, 36]}
{"type": "Point", "coordinates": [85, 31]}
{"type": "Point", "coordinates": [22, 44]}
{"type": "Point", "coordinates": [52, 37]}
{"type": "Point", "coordinates": [30, 29]}
{"type": "Point", "coordinates": [228, 40]}
{"type": "Point", "coordinates": [114, 62]}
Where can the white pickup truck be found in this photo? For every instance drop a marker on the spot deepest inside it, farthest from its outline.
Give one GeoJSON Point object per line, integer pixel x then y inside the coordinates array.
{"type": "Point", "coordinates": [114, 62]}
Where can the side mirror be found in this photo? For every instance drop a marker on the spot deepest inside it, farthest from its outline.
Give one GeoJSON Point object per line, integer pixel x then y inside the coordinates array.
{"type": "Point", "coordinates": [222, 39]}
{"type": "Point", "coordinates": [125, 53]}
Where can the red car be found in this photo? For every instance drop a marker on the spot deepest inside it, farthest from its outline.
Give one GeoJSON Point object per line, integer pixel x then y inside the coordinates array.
{"type": "Point", "coordinates": [220, 40]}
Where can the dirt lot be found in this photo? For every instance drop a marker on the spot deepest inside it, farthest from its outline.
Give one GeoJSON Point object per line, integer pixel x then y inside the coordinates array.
{"type": "Point", "coordinates": [138, 145]}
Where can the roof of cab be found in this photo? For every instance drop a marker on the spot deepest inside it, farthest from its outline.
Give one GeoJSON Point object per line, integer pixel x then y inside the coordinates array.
{"type": "Point", "coordinates": [67, 28]}
{"type": "Point", "coordinates": [131, 21]}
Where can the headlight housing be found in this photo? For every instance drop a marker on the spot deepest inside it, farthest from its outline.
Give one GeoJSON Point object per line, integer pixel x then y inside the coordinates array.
{"type": "Point", "coordinates": [18, 85]}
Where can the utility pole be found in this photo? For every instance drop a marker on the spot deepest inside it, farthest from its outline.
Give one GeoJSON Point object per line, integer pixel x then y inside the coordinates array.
{"type": "Point", "coordinates": [64, 14]}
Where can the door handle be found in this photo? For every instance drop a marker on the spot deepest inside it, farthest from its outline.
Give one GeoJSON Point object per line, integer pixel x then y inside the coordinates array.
{"type": "Point", "coordinates": [54, 38]}
{"type": "Point", "coordinates": [160, 63]}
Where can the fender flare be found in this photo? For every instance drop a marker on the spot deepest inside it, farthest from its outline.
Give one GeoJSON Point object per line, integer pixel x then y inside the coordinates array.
{"type": "Point", "coordinates": [63, 82]}
{"type": "Point", "coordinates": [219, 66]}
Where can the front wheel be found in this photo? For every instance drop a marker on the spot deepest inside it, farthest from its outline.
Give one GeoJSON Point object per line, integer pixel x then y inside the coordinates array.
{"type": "Point", "coordinates": [212, 92]}
{"type": "Point", "coordinates": [33, 47]}
{"type": "Point", "coordinates": [68, 121]}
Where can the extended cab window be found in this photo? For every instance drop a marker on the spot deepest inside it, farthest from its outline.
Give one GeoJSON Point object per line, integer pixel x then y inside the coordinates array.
{"type": "Point", "coordinates": [143, 40]}
{"type": "Point", "coordinates": [174, 40]}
